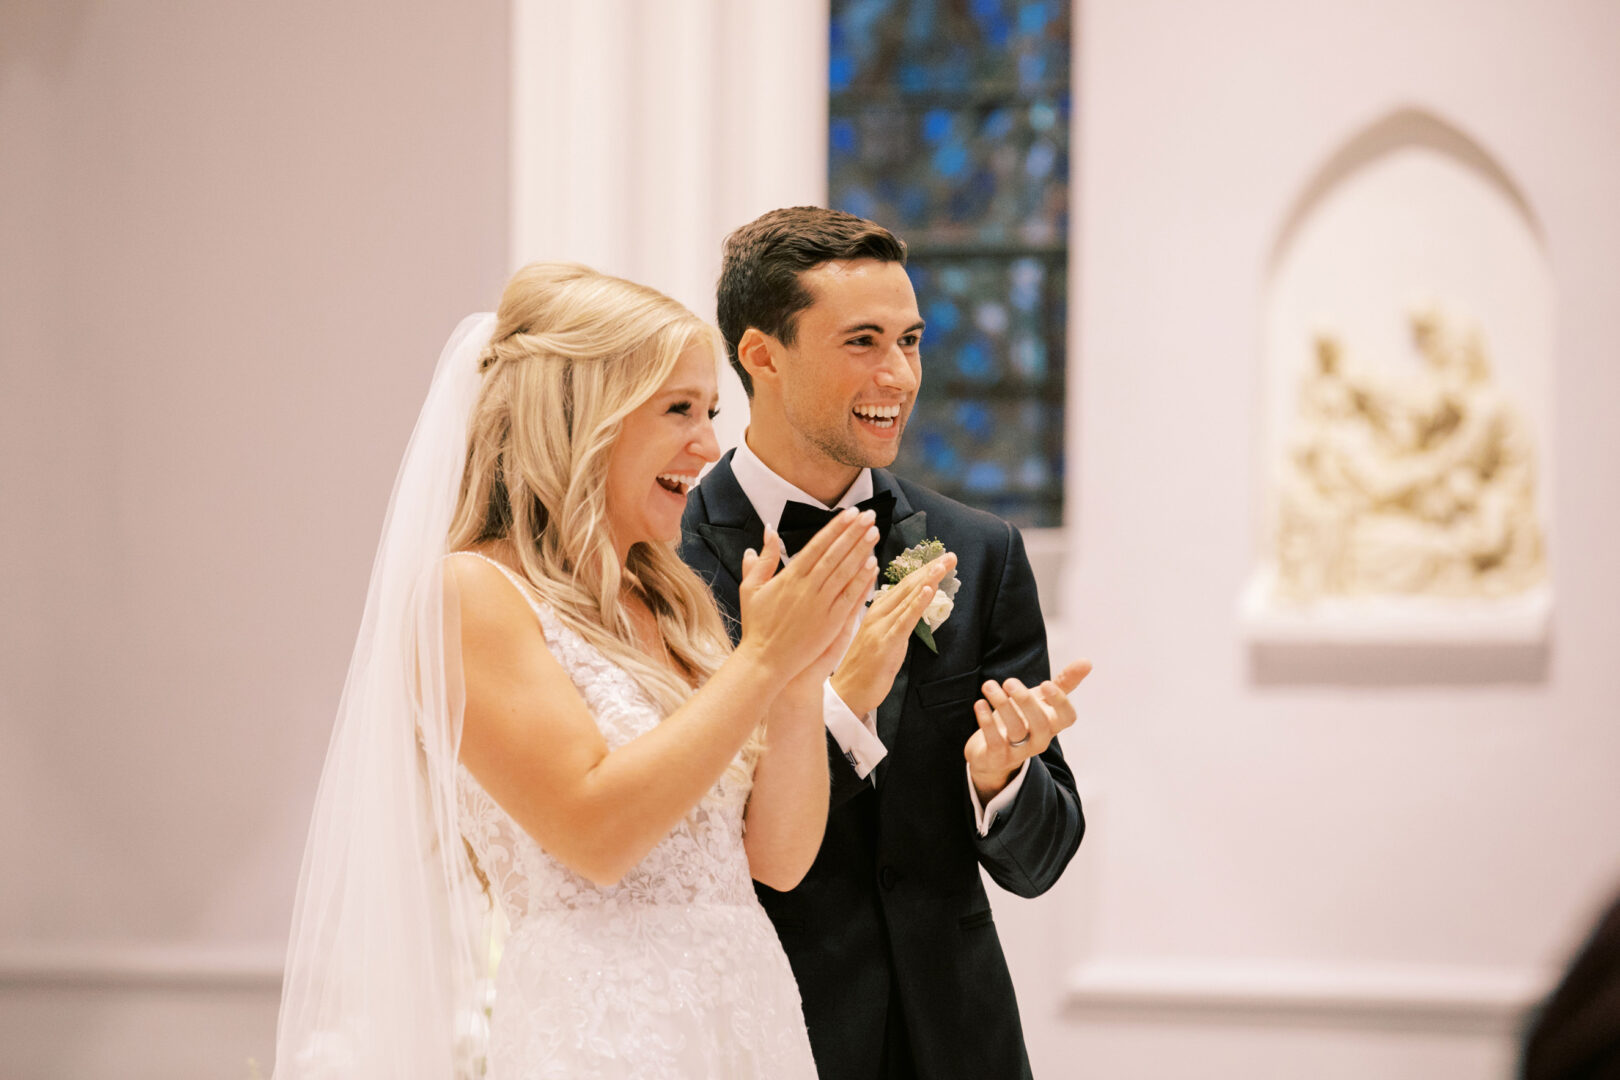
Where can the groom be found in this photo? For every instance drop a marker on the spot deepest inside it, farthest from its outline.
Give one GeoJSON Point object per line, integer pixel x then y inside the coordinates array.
{"type": "Point", "coordinates": [890, 933]}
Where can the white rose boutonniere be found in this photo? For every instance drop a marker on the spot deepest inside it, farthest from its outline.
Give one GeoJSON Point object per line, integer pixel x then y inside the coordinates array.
{"type": "Point", "coordinates": [944, 598]}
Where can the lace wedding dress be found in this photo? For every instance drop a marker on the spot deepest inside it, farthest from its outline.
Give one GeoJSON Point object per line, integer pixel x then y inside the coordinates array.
{"type": "Point", "coordinates": [674, 972]}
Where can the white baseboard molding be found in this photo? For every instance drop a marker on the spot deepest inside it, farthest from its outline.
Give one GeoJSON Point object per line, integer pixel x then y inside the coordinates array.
{"type": "Point", "coordinates": [175, 967]}
{"type": "Point", "coordinates": [1486, 1000]}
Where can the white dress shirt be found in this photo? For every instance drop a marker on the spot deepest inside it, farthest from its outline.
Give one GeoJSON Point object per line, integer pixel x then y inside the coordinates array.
{"type": "Point", "coordinates": [855, 735]}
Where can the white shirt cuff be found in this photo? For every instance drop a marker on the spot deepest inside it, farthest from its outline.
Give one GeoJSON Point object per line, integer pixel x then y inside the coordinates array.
{"type": "Point", "coordinates": [985, 816]}
{"type": "Point", "coordinates": [855, 736]}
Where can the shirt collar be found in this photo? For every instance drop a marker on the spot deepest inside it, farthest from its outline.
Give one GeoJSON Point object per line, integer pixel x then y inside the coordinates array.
{"type": "Point", "coordinates": [770, 493]}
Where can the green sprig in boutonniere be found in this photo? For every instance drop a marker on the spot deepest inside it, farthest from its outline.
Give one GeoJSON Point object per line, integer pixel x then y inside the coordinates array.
{"type": "Point", "coordinates": [944, 598]}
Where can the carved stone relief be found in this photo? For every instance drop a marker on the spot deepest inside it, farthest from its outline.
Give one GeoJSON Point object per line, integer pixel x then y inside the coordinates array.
{"type": "Point", "coordinates": [1415, 485]}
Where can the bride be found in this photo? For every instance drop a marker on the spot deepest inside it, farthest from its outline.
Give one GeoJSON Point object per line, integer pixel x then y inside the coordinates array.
{"type": "Point", "coordinates": [544, 724]}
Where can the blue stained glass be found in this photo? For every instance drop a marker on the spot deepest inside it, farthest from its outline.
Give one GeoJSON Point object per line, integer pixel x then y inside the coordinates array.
{"type": "Point", "coordinates": [913, 205]}
{"type": "Point", "coordinates": [992, 23]}
{"type": "Point", "coordinates": [840, 72]}
{"type": "Point", "coordinates": [1033, 473]}
{"type": "Point", "coordinates": [1029, 358]}
{"type": "Point", "coordinates": [858, 201]}
{"type": "Point", "coordinates": [950, 123]}
{"type": "Point", "coordinates": [948, 439]}
{"type": "Point", "coordinates": [936, 125]}
{"type": "Point", "coordinates": [955, 70]}
{"type": "Point", "coordinates": [1042, 158]}
{"type": "Point", "coordinates": [975, 419]}
{"type": "Point", "coordinates": [939, 452]}
{"type": "Point", "coordinates": [925, 46]}
{"type": "Point", "coordinates": [841, 134]}
{"type": "Point", "coordinates": [941, 316]}
{"type": "Point", "coordinates": [1031, 70]}
{"type": "Point", "coordinates": [920, 21]}
{"type": "Point", "coordinates": [974, 361]}
{"type": "Point", "coordinates": [984, 476]}
{"type": "Point", "coordinates": [1026, 284]}
{"type": "Point", "coordinates": [998, 125]}
{"type": "Point", "coordinates": [974, 324]}
{"type": "Point", "coordinates": [973, 199]}
{"type": "Point", "coordinates": [951, 160]}
{"type": "Point", "coordinates": [962, 175]}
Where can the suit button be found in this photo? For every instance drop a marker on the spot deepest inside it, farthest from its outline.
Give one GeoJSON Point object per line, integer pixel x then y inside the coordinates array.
{"type": "Point", "coordinates": [888, 876]}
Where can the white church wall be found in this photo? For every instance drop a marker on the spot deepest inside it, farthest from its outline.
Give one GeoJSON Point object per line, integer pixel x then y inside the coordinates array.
{"type": "Point", "coordinates": [1297, 880]}
{"type": "Point", "coordinates": [1352, 879]}
{"type": "Point", "coordinates": [234, 239]}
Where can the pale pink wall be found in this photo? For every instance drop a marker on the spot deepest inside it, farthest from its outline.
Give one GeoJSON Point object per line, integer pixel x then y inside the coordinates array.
{"type": "Point", "coordinates": [232, 240]}
{"type": "Point", "coordinates": [1329, 831]}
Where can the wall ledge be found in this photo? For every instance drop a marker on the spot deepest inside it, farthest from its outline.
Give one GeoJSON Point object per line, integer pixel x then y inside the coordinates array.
{"type": "Point", "coordinates": [1523, 620]}
{"type": "Point", "coordinates": [243, 967]}
{"type": "Point", "coordinates": [1396, 640]}
{"type": "Point", "coordinates": [1489, 1000]}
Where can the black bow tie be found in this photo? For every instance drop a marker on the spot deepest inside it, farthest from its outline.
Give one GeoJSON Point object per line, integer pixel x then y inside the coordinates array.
{"type": "Point", "coordinates": [800, 521]}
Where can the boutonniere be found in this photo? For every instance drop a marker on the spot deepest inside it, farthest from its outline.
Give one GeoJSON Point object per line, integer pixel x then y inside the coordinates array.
{"type": "Point", "coordinates": [944, 598]}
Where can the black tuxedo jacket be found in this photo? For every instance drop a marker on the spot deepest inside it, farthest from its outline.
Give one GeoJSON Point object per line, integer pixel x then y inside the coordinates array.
{"type": "Point", "coordinates": [894, 908]}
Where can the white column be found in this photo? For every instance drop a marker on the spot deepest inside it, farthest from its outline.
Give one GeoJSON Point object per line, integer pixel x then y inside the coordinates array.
{"type": "Point", "coordinates": [644, 131]}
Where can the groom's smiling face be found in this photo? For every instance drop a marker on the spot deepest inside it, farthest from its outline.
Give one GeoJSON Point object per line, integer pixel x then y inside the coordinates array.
{"type": "Point", "coordinates": [850, 378]}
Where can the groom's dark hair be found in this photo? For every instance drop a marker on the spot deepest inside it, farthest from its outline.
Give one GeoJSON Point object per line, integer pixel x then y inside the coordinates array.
{"type": "Point", "coordinates": [761, 263]}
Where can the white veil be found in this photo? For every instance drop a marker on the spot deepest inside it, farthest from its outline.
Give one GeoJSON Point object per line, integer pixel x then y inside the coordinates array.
{"type": "Point", "coordinates": [387, 954]}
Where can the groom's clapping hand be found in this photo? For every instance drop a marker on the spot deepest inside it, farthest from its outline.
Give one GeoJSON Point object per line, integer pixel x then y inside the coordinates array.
{"type": "Point", "coordinates": [873, 659]}
{"type": "Point", "coordinates": [1016, 723]}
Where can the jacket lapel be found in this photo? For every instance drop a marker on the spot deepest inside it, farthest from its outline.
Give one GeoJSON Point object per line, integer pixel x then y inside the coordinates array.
{"type": "Point", "coordinates": [729, 544]}
{"type": "Point", "coordinates": [909, 529]}
{"type": "Point", "coordinates": [733, 526]}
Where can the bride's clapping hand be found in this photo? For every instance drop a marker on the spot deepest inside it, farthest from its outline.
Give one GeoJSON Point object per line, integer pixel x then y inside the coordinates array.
{"type": "Point", "coordinates": [793, 619]}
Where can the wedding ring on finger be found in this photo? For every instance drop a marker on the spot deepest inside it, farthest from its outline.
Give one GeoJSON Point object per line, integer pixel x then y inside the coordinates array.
{"type": "Point", "coordinates": [1020, 742]}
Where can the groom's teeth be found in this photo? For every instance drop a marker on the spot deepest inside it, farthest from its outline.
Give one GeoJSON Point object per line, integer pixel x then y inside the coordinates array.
{"type": "Point", "coordinates": [878, 415]}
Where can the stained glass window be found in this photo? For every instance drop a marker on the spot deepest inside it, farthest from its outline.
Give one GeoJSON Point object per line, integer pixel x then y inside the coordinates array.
{"type": "Point", "coordinates": [949, 123]}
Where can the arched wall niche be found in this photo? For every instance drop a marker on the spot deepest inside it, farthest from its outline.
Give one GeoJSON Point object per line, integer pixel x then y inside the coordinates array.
{"type": "Point", "coordinates": [1403, 128]}
{"type": "Point", "coordinates": [1409, 213]}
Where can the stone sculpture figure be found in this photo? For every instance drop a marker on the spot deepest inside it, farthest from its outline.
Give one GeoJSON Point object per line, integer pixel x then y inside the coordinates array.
{"type": "Point", "coordinates": [1415, 485]}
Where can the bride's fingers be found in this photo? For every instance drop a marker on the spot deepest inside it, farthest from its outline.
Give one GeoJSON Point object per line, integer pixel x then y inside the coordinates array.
{"type": "Point", "coordinates": [846, 558]}
{"type": "Point", "coordinates": [811, 556]}
{"type": "Point", "coordinates": [853, 595]}
{"type": "Point", "coordinates": [854, 563]}
{"type": "Point", "coordinates": [758, 567]}
{"type": "Point", "coordinates": [770, 553]}
{"type": "Point", "coordinates": [753, 573]}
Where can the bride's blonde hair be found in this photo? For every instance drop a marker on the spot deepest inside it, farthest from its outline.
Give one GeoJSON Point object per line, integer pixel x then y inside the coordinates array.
{"type": "Point", "coordinates": [572, 354]}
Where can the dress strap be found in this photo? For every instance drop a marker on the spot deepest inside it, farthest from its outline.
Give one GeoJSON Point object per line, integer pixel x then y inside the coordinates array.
{"type": "Point", "coordinates": [518, 583]}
